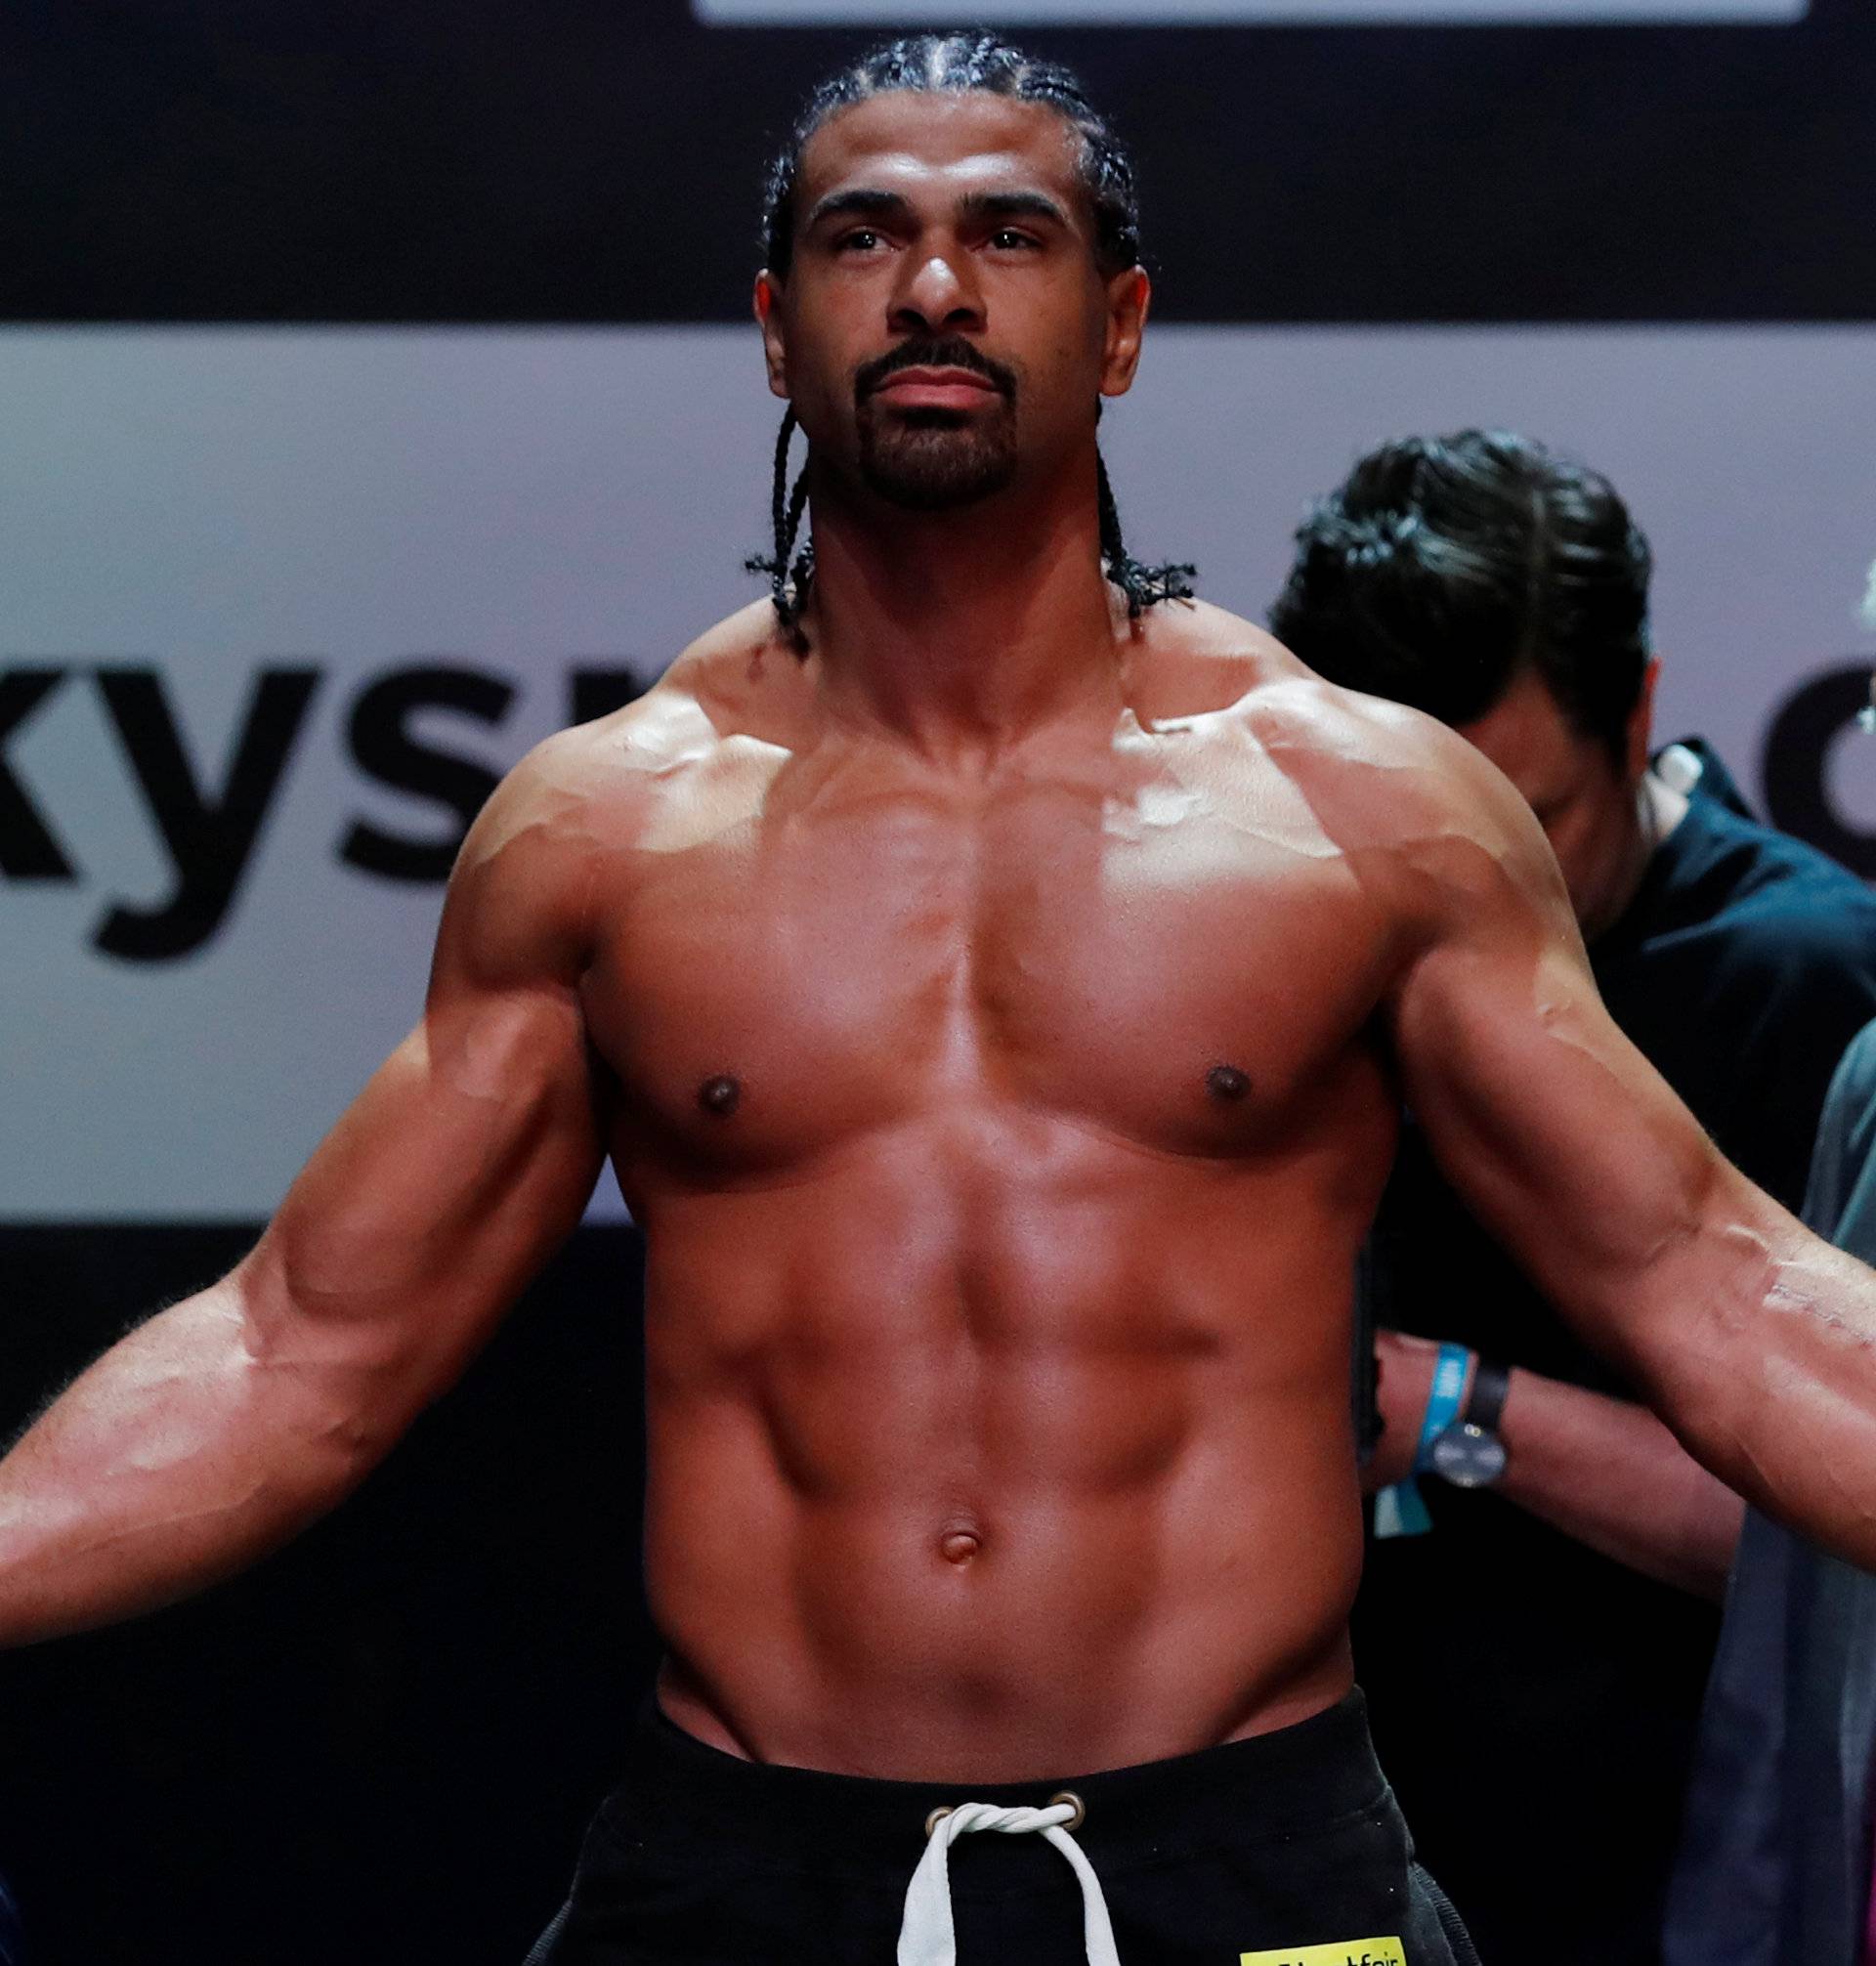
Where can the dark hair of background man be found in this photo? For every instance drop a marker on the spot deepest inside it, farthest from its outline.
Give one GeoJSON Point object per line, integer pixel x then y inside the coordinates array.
{"type": "Point", "coordinates": [1443, 567]}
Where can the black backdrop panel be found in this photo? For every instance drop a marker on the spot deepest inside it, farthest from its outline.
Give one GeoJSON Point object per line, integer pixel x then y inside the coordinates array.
{"type": "Point", "coordinates": [595, 160]}
{"type": "Point", "coordinates": [382, 1744]}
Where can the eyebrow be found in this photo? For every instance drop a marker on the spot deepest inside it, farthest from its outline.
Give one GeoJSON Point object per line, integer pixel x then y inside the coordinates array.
{"type": "Point", "coordinates": [878, 204]}
{"type": "Point", "coordinates": [1012, 205]}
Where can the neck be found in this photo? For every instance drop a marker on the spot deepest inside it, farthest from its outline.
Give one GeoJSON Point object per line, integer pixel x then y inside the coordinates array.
{"type": "Point", "coordinates": [961, 633]}
{"type": "Point", "coordinates": [1658, 810]}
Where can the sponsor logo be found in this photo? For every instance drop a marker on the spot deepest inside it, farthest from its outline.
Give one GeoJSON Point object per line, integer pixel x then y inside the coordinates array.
{"type": "Point", "coordinates": [210, 825]}
{"type": "Point", "coordinates": [1344, 1953]}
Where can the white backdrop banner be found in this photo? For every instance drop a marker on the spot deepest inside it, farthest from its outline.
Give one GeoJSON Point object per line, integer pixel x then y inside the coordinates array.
{"type": "Point", "coordinates": [911, 15]}
{"type": "Point", "coordinates": [276, 606]}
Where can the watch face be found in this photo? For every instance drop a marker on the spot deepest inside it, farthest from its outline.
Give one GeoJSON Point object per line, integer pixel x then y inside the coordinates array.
{"type": "Point", "coordinates": [1468, 1457]}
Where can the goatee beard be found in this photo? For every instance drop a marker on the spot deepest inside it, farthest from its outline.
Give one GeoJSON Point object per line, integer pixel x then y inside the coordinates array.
{"type": "Point", "coordinates": [932, 459]}
{"type": "Point", "coordinates": [936, 460]}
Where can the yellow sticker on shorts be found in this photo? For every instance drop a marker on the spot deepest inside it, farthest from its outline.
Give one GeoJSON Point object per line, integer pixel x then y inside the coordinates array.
{"type": "Point", "coordinates": [1351, 1952]}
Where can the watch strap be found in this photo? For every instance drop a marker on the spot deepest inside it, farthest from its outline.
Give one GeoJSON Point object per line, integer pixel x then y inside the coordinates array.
{"type": "Point", "coordinates": [1491, 1385]}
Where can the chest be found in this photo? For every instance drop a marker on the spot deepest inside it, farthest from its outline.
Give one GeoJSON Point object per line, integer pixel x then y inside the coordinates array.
{"type": "Point", "coordinates": [1173, 968]}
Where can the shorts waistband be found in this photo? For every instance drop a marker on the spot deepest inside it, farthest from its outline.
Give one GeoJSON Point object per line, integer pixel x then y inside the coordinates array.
{"type": "Point", "coordinates": [1281, 1784]}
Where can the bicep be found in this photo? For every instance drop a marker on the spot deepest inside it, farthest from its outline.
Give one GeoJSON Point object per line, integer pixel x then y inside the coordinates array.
{"type": "Point", "coordinates": [467, 1158]}
{"type": "Point", "coordinates": [1555, 1130]}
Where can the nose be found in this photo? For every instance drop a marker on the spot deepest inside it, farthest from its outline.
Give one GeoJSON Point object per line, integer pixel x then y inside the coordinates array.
{"type": "Point", "coordinates": [937, 293]}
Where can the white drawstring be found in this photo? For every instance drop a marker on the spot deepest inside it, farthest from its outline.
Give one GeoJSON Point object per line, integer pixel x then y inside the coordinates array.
{"type": "Point", "coordinates": [928, 1937]}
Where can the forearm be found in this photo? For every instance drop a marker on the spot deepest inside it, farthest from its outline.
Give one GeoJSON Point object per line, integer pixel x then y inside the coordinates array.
{"type": "Point", "coordinates": [190, 1448]}
{"type": "Point", "coordinates": [1761, 1354]}
{"type": "Point", "coordinates": [1612, 1475]}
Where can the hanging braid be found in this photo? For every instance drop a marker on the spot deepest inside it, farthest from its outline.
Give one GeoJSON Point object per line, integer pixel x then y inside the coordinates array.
{"type": "Point", "coordinates": [789, 586]}
{"type": "Point", "coordinates": [1145, 587]}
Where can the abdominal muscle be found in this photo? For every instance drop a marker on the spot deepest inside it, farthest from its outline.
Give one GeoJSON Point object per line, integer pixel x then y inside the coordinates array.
{"type": "Point", "coordinates": [1049, 1478]}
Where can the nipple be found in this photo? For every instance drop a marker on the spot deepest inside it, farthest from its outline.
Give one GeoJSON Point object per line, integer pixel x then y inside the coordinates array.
{"type": "Point", "coordinates": [959, 1546]}
{"type": "Point", "coordinates": [1226, 1082]}
{"type": "Point", "coordinates": [720, 1095]}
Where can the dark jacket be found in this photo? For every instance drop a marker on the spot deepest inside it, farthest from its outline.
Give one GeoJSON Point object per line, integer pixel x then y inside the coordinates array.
{"type": "Point", "coordinates": [1775, 1863]}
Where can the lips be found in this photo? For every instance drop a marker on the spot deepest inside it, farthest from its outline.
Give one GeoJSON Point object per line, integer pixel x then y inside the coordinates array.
{"type": "Point", "coordinates": [936, 389]}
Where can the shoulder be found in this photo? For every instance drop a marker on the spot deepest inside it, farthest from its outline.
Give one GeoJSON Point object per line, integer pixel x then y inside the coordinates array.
{"type": "Point", "coordinates": [1390, 783]}
{"type": "Point", "coordinates": [1436, 834]}
{"type": "Point", "coordinates": [575, 808]}
{"type": "Point", "coordinates": [603, 781]}
{"type": "Point", "coordinates": [1780, 874]}
{"type": "Point", "coordinates": [1277, 700]}
{"type": "Point", "coordinates": [1766, 906]}
{"type": "Point", "coordinates": [595, 781]}
{"type": "Point", "coordinates": [1187, 658]}
{"type": "Point", "coordinates": [1201, 662]}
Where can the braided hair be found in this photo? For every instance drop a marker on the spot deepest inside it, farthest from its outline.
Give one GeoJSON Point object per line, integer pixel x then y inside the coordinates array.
{"type": "Point", "coordinates": [956, 62]}
{"type": "Point", "coordinates": [1145, 587]}
{"type": "Point", "coordinates": [791, 573]}
{"type": "Point", "coordinates": [964, 64]}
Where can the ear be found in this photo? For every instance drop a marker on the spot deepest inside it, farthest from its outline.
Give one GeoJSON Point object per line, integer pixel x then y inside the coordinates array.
{"type": "Point", "coordinates": [1639, 735]}
{"type": "Point", "coordinates": [768, 316]}
{"type": "Point", "coordinates": [1129, 296]}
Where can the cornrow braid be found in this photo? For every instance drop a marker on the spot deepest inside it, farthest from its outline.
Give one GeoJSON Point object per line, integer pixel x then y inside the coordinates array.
{"type": "Point", "coordinates": [1145, 587]}
{"type": "Point", "coordinates": [789, 586]}
{"type": "Point", "coordinates": [960, 64]}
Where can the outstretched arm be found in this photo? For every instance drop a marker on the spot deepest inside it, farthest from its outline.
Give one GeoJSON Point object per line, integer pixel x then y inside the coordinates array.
{"type": "Point", "coordinates": [225, 1424]}
{"type": "Point", "coordinates": [1754, 1341]}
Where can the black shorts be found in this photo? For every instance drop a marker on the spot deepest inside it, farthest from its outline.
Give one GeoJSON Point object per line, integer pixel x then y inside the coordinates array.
{"type": "Point", "coordinates": [1287, 1848]}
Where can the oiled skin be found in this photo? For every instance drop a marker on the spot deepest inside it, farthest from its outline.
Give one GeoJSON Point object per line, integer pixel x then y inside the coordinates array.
{"type": "Point", "coordinates": [979, 1252]}
{"type": "Point", "coordinates": [996, 1019]}
{"type": "Point", "coordinates": [997, 1341]}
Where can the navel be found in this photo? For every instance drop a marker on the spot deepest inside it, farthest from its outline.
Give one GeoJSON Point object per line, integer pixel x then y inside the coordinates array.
{"type": "Point", "coordinates": [1226, 1083]}
{"type": "Point", "coordinates": [720, 1095]}
{"type": "Point", "coordinates": [959, 1546]}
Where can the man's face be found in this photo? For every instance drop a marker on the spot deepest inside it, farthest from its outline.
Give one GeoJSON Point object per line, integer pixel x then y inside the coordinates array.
{"type": "Point", "coordinates": [944, 328]}
{"type": "Point", "coordinates": [1585, 800]}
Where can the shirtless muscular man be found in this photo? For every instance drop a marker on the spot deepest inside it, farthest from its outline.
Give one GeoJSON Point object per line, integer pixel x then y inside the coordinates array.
{"type": "Point", "coordinates": [995, 984]}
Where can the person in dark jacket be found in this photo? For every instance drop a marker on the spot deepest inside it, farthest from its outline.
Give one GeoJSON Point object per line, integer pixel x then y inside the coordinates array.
{"type": "Point", "coordinates": [1775, 1862]}
{"type": "Point", "coordinates": [1535, 1664]}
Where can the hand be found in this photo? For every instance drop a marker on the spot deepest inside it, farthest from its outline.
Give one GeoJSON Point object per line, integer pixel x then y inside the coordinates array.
{"type": "Point", "coordinates": [1406, 1384]}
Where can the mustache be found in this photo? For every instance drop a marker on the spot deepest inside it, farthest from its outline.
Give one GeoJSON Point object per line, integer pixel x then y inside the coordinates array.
{"type": "Point", "coordinates": [949, 351]}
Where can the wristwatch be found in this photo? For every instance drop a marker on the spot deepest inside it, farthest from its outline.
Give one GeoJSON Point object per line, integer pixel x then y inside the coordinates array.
{"type": "Point", "coordinates": [1469, 1453]}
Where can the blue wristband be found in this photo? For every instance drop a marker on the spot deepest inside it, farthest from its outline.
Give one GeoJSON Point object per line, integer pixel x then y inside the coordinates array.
{"type": "Point", "coordinates": [1400, 1510]}
{"type": "Point", "coordinates": [1442, 1402]}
